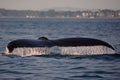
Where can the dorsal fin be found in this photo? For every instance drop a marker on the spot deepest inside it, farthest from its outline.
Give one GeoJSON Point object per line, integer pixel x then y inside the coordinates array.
{"type": "Point", "coordinates": [43, 38]}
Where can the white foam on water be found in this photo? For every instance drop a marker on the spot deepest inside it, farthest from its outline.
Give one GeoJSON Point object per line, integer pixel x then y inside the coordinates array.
{"type": "Point", "coordinates": [86, 50]}
{"type": "Point", "coordinates": [80, 50]}
{"type": "Point", "coordinates": [29, 51]}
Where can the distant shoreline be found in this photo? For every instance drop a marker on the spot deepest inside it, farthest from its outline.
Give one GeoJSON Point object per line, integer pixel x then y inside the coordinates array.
{"type": "Point", "coordinates": [85, 14]}
{"type": "Point", "coordinates": [54, 18]}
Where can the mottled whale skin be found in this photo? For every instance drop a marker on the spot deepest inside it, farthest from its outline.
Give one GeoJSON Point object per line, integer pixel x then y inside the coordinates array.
{"type": "Point", "coordinates": [65, 46]}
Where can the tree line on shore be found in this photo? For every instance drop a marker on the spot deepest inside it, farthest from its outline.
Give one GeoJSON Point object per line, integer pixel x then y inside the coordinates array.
{"type": "Point", "coordinates": [104, 13]}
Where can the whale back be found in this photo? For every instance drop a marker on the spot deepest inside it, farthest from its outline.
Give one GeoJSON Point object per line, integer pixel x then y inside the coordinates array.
{"type": "Point", "coordinates": [66, 46]}
{"type": "Point", "coordinates": [83, 46]}
{"type": "Point", "coordinates": [66, 42]}
{"type": "Point", "coordinates": [28, 43]}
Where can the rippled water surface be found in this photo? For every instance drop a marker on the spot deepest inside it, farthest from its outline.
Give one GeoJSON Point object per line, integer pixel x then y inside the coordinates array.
{"type": "Point", "coordinates": [57, 67]}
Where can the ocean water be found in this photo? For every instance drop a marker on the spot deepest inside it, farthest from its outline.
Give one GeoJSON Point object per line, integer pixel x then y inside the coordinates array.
{"type": "Point", "coordinates": [57, 67]}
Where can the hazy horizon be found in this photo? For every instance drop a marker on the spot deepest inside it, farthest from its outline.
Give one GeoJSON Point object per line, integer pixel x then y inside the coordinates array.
{"type": "Point", "coordinates": [59, 4]}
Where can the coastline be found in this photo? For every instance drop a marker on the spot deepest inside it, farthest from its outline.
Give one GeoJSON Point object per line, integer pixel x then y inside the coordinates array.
{"type": "Point", "coordinates": [58, 18]}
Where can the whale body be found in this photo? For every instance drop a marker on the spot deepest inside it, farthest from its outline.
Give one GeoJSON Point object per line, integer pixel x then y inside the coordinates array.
{"type": "Point", "coordinates": [65, 46]}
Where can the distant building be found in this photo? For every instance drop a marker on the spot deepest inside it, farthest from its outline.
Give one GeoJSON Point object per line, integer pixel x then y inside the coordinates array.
{"type": "Point", "coordinates": [105, 13]}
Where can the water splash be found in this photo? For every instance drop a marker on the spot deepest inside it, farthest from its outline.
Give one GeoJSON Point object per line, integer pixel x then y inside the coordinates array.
{"type": "Point", "coordinates": [29, 51]}
{"type": "Point", "coordinates": [84, 50]}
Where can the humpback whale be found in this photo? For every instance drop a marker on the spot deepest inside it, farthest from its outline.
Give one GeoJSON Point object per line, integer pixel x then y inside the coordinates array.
{"type": "Point", "coordinates": [64, 46]}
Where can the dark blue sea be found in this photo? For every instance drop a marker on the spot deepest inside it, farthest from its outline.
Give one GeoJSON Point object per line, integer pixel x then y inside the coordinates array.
{"type": "Point", "coordinates": [57, 67]}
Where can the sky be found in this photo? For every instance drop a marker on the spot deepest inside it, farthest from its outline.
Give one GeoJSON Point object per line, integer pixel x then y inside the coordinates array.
{"type": "Point", "coordinates": [57, 4]}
